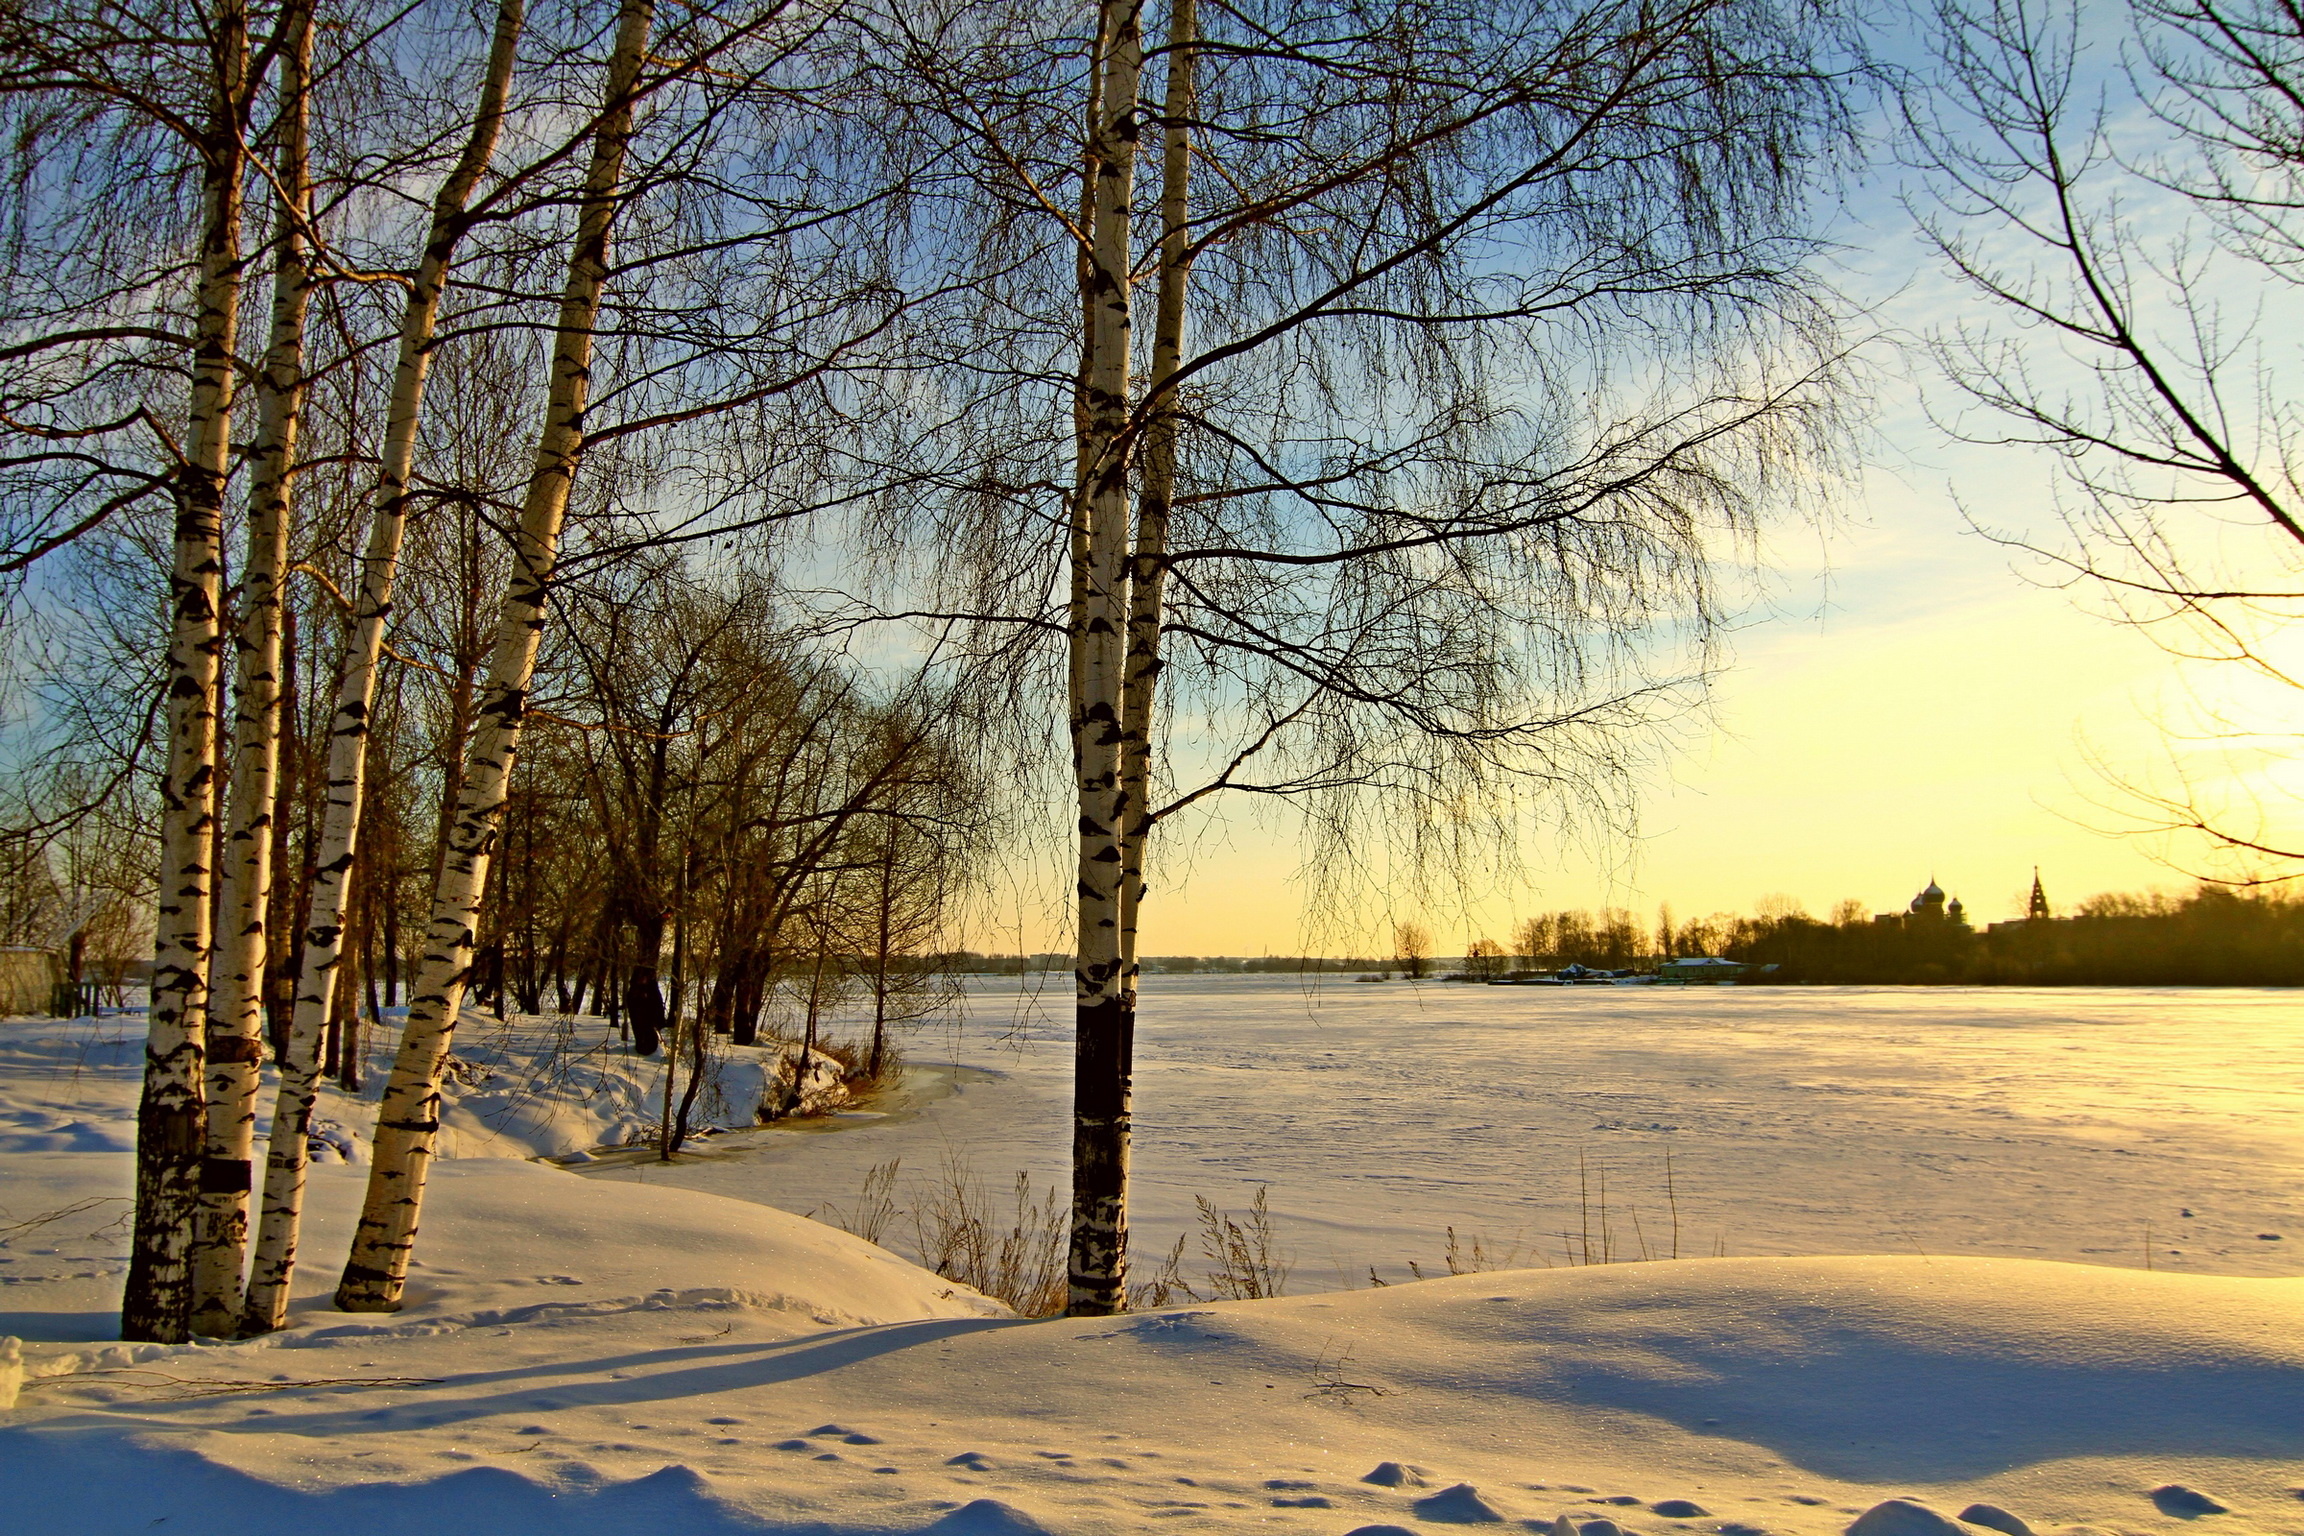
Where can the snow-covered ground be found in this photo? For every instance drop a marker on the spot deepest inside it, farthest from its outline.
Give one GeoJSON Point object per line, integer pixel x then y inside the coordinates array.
{"type": "Point", "coordinates": [528, 1087]}
{"type": "Point", "coordinates": [2052, 1123]}
{"type": "Point", "coordinates": [584, 1356]}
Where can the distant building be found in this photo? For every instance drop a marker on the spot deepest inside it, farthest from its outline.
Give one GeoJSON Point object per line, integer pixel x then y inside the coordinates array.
{"type": "Point", "coordinates": [1931, 907]}
{"type": "Point", "coordinates": [2035, 910]}
{"type": "Point", "coordinates": [28, 980]}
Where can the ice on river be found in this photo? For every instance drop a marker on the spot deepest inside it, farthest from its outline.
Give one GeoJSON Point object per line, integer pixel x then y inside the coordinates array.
{"type": "Point", "coordinates": [2052, 1123]}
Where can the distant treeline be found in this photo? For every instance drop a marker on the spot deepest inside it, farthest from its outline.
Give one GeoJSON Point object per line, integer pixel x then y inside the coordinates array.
{"type": "Point", "coordinates": [2211, 937]}
{"type": "Point", "coordinates": [968, 962]}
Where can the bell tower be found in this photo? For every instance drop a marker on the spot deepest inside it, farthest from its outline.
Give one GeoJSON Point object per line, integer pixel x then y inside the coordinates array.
{"type": "Point", "coordinates": [2037, 910]}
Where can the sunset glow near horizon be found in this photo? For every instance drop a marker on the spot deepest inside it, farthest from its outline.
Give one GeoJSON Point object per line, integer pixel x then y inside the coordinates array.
{"type": "Point", "coordinates": [1905, 701]}
{"type": "Point", "coordinates": [1912, 708]}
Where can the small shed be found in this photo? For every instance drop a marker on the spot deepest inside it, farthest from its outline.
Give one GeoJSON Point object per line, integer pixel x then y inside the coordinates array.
{"type": "Point", "coordinates": [28, 980]}
{"type": "Point", "coordinates": [1701, 970]}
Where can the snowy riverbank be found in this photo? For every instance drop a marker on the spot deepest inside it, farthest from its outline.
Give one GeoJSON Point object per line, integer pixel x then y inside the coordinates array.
{"type": "Point", "coordinates": [590, 1360]}
{"type": "Point", "coordinates": [552, 1087]}
{"type": "Point", "coordinates": [582, 1356]}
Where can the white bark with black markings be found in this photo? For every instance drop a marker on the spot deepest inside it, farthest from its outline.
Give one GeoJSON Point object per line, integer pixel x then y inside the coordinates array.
{"type": "Point", "coordinates": [287, 1156]}
{"type": "Point", "coordinates": [157, 1302]}
{"type": "Point", "coordinates": [236, 996]}
{"type": "Point", "coordinates": [1104, 1004]}
{"type": "Point", "coordinates": [408, 1124]}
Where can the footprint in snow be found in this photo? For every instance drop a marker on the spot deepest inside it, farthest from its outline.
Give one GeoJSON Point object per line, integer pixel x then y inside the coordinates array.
{"type": "Point", "coordinates": [1459, 1504]}
{"type": "Point", "coordinates": [1285, 1484]}
{"type": "Point", "coordinates": [859, 1440]}
{"type": "Point", "coordinates": [793, 1445]}
{"type": "Point", "coordinates": [822, 1430]}
{"type": "Point", "coordinates": [1993, 1518]}
{"type": "Point", "coordinates": [974, 1461]}
{"type": "Point", "coordinates": [1380, 1530]}
{"type": "Point", "coordinates": [2186, 1503]}
{"type": "Point", "coordinates": [1391, 1474]}
{"type": "Point", "coordinates": [1689, 1509]}
{"type": "Point", "coordinates": [1600, 1527]}
{"type": "Point", "coordinates": [1309, 1501]}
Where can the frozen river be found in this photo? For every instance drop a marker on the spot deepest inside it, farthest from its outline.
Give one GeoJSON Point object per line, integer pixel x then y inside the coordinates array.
{"type": "Point", "coordinates": [2061, 1124]}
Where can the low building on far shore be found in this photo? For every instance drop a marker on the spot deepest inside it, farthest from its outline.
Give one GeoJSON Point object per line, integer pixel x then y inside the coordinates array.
{"type": "Point", "coordinates": [28, 980]}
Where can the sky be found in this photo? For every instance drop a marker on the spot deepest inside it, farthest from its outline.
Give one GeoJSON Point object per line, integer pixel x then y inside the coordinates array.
{"type": "Point", "coordinates": [1904, 703]}
{"type": "Point", "coordinates": [1915, 710]}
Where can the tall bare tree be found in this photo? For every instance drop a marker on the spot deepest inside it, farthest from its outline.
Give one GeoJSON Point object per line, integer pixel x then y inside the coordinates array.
{"type": "Point", "coordinates": [2133, 285]}
{"type": "Point", "coordinates": [408, 1121]}
{"type": "Point", "coordinates": [236, 998]}
{"type": "Point", "coordinates": [1399, 497]}
{"type": "Point", "coordinates": [170, 1123]}
{"type": "Point", "coordinates": [265, 1305]}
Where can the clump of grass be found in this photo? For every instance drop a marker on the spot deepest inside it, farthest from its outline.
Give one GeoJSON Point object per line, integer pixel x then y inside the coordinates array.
{"type": "Point", "coordinates": [1245, 1263]}
{"type": "Point", "coordinates": [1478, 1256]}
{"type": "Point", "coordinates": [1019, 1260]}
{"type": "Point", "coordinates": [1596, 1240]}
{"type": "Point", "coordinates": [962, 1233]}
{"type": "Point", "coordinates": [876, 1209]}
{"type": "Point", "coordinates": [856, 1057]}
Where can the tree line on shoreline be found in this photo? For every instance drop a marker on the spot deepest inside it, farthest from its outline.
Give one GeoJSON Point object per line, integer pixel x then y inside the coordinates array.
{"type": "Point", "coordinates": [2211, 936]}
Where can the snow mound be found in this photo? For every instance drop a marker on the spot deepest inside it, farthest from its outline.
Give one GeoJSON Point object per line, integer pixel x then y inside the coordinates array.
{"type": "Point", "coordinates": [503, 1237]}
{"type": "Point", "coordinates": [1786, 1394]}
{"type": "Point", "coordinates": [1903, 1517]}
{"type": "Point", "coordinates": [987, 1517]}
{"type": "Point", "coordinates": [2183, 1503]}
{"type": "Point", "coordinates": [502, 1243]}
{"type": "Point", "coordinates": [125, 1486]}
{"type": "Point", "coordinates": [1457, 1505]}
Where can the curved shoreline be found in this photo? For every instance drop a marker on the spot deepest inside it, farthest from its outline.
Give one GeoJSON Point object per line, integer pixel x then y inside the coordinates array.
{"type": "Point", "coordinates": [916, 1089]}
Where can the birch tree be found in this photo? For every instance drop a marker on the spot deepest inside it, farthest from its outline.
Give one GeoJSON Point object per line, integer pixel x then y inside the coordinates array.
{"type": "Point", "coordinates": [236, 998]}
{"type": "Point", "coordinates": [265, 1305]}
{"type": "Point", "coordinates": [1492, 328]}
{"type": "Point", "coordinates": [408, 1120]}
{"type": "Point", "coordinates": [170, 1125]}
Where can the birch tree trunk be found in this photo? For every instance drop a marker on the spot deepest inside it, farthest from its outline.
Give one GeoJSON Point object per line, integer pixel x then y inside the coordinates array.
{"type": "Point", "coordinates": [287, 1154]}
{"type": "Point", "coordinates": [408, 1125]}
{"type": "Point", "coordinates": [1105, 1040]}
{"type": "Point", "coordinates": [1148, 566]}
{"type": "Point", "coordinates": [236, 998]}
{"type": "Point", "coordinates": [157, 1302]}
